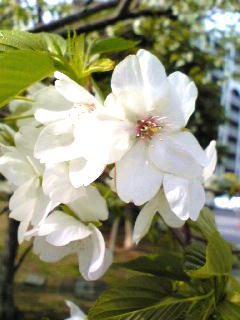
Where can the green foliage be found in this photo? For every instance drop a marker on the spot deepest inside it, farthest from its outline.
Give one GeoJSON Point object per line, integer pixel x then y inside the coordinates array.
{"type": "Point", "coordinates": [169, 265]}
{"type": "Point", "coordinates": [20, 69]}
{"type": "Point", "coordinates": [53, 43]}
{"type": "Point", "coordinates": [144, 297]}
{"type": "Point", "coordinates": [114, 44]}
{"type": "Point", "coordinates": [228, 311]}
{"type": "Point", "coordinates": [228, 183]}
{"type": "Point", "coordinates": [193, 286]}
{"type": "Point", "coordinates": [215, 261]}
{"type": "Point", "coordinates": [27, 58]}
{"type": "Point", "coordinates": [15, 39]}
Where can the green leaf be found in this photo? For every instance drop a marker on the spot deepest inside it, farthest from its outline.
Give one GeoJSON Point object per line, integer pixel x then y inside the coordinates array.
{"type": "Point", "coordinates": [228, 311]}
{"type": "Point", "coordinates": [100, 65]}
{"type": "Point", "coordinates": [54, 43]}
{"type": "Point", "coordinates": [14, 39]}
{"type": "Point", "coordinates": [21, 68]}
{"type": "Point", "coordinates": [202, 309]}
{"type": "Point", "coordinates": [130, 295]}
{"type": "Point", "coordinates": [168, 265]}
{"type": "Point", "coordinates": [205, 223]}
{"type": "Point", "coordinates": [114, 44]}
{"type": "Point", "coordinates": [216, 262]}
{"type": "Point", "coordinates": [145, 298]}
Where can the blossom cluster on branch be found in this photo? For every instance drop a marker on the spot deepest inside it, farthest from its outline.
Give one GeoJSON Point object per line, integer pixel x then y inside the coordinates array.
{"type": "Point", "coordinates": [138, 131]}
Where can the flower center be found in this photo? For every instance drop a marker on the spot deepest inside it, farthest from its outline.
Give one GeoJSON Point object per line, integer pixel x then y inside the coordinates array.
{"type": "Point", "coordinates": [146, 128]}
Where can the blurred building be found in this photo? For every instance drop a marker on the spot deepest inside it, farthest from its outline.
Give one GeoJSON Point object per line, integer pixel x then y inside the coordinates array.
{"type": "Point", "coordinates": [229, 133]}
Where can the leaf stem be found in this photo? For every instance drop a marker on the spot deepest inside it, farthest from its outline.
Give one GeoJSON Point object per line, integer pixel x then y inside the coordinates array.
{"type": "Point", "coordinates": [14, 118]}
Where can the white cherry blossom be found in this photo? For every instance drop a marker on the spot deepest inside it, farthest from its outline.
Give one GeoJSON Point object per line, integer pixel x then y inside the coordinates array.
{"type": "Point", "coordinates": [61, 109]}
{"type": "Point", "coordinates": [61, 234]}
{"type": "Point", "coordinates": [28, 204]}
{"type": "Point", "coordinates": [178, 200]}
{"type": "Point", "coordinates": [146, 114]}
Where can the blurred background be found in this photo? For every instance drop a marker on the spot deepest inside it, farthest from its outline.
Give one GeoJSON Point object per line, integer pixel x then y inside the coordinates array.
{"type": "Point", "coordinates": [197, 37]}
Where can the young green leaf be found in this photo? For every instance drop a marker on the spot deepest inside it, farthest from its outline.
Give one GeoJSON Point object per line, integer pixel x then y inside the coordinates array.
{"type": "Point", "coordinates": [100, 65]}
{"type": "Point", "coordinates": [21, 68]}
{"type": "Point", "coordinates": [167, 265]}
{"type": "Point", "coordinates": [217, 261]}
{"type": "Point", "coordinates": [114, 44]}
{"type": "Point", "coordinates": [54, 43]}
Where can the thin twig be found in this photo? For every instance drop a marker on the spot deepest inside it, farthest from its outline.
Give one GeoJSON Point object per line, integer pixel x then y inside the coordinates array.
{"type": "Point", "coordinates": [23, 257]}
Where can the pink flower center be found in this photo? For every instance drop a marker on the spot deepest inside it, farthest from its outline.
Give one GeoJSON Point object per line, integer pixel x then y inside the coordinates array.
{"type": "Point", "coordinates": [147, 128]}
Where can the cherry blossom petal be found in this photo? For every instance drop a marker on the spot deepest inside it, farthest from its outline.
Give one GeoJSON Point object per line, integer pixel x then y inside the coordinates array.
{"type": "Point", "coordinates": [155, 83]}
{"type": "Point", "coordinates": [75, 312]}
{"type": "Point", "coordinates": [170, 157]}
{"type": "Point", "coordinates": [43, 206]}
{"type": "Point", "coordinates": [24, 193]}
{"type": "Point", "coordinates": [67, 229]}
{"type": "Point", "coordinates": [22, 229]}
{"type": "Point", "coordinates": [104, 140]}
{"type": "Point", "coordinates": [211, 154]}
{"type": "Point", "coordinates": [185, 197]}
{"type": "Point", "coordinates": [94, 260]}
{"type": "Point", "coordinates": [50, 106]}
{"type": "Point", "coordinates": [72, 91]}
{"type": "Point", "coordinates": [50, 253]}
{"type": "Point", "coordinates": [127, 86]}
{"type": "Point", "coordinates": [144, 219]}
{"type": "Point", "coordinates": [113, 108]}
{"type": "Point", "coordinates": [82, 172]}
{"type": "Point", "coordinates": [91, 206]}
{"type": "Point", "coordinates": [15, 168]}
{"type": "Point", "coordinates": [25, 139]}
{"type": "Point", "coordinates": [189, 144]}
{"type": "Point", "coordinates": [186, 93]}
{"type": "Point", "coordinates": [56, 183]}
{"type": "Point", "coordinates": [166, 213]}
{"type": "Point", "coordinates": [56, 143]}
{"type": "Point", "coordinates": [137, 179]}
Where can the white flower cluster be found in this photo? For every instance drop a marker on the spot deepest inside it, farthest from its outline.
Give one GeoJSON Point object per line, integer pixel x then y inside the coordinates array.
{"type": "Point", "coordinates": [139, 128]}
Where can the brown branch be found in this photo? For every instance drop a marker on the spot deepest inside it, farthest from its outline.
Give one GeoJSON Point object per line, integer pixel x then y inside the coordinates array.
{"type": "Point", "coordinates": [123, 7]}
{"type": "Point", "coordinates": [83, 13]}
{"type": "Point", "coordinates": [122, 12]}
{"type": "Point", "coordinates": [22, 258]}
{"type": "Point", "coordinates": [112, 19]}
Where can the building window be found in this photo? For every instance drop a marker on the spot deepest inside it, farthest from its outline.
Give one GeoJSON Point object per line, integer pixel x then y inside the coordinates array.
{"type": "Point", "coordinates": [233, 123]}
{"type": "Point", "coordinates": [234, 107]}
{"type": "Point", "coordinates": [231, 155]}
{"type": "Point", "coordinates": [232, 139]}
{"type": "Point", "coordinates": [235, 93]}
